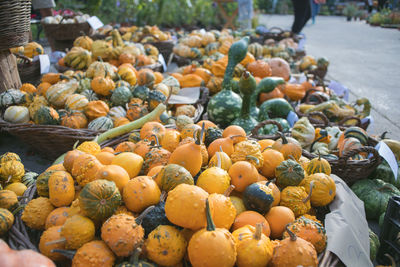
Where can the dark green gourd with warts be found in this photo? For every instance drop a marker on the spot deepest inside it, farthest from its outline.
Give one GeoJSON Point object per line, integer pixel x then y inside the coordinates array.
{"type": "Point", "coordinates": [225, 106]}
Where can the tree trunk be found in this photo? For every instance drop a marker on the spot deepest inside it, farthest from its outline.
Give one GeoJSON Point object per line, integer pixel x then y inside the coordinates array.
{"type": "Point", "coordinates": [9, 76]}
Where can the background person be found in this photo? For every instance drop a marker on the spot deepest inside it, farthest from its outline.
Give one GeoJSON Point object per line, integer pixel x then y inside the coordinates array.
{"type": "Point", "coordinates": [302, 13]}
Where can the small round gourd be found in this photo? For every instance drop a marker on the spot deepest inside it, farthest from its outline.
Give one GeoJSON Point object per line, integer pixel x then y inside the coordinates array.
{"type": "Point", "coordinates": [217, 243]}
{"type": "Point", "coordinates": [57, 217]}
{"type": "Point", "coordinates": [84, 168]}
{"type": "Point", "coordinates": [46, 116]}
{"type": "Point", "coordinates": [258, 197]}
{"type": "Point", "coordinates": [278, 217]}
{"type": "Point", "coordinates": [16, 114]}
{"type": "Point", "coordinates": [238, 204]}
{"type": "Point", "coordinates": [243, 174]}
{"type": "Point", "coordinates": [92, 254]}
{"type": "Point", "coordinates": [131, 162]}
{"type": "Point", "coordinates": [140, 193]}
{"type": "Point", "coordinates": [11, 171]}
{"type": "Point", "coordinates": [296, 199]}
{"type": "Point", "coordinates": [272, 159]}
{"type": "Point", "coordinates": [323, 189]}
{"type": "Point", "coordinates": [214, 180]}
{"type": "Point", "coordinates": [225, 161]}
{"type": "Point", "coordinates": [6, 221]}
{"type": "Point", "coordinates": [114, 173]}
{"type": "Point", "coordinates": [252, 218]}
{"type": "Point", "coordinates": [42, 183]}
{"type": "Point", "coordinates": [99, 199]}
{"type": "Point", "coordinates": [8, 199]}
{"type": "Point", "coordinates": [36, 212]}
{"type": "Point", "coordinates": [170, 140]}
{"type": "Point", "coordinates": [51, 234]}
{"type": "Point", "coordinates": [289, 173]}
{"type": "Point", "coordinates": [76, 231]}
{"type": "Point", "coordinates": [8, 156]}
{"type": "Point", "coordinates": [185, 206]}
{"type": "Point", "coordinates": [122, 234]}
{"type": "Point", "coordinates": [318, 165]}
{"type": "Point", "coordinates": [172, 175]}
{"type": "Point", "coordinates": [224, 212]}
{"type": "Point", "coordinates": [18, 188]}
{"type": "Point", "coordinates": [89, 147]}
{"type": "Point", "coordinates": [166, 245]}
{"type": "Point", "coordinates": [61, 188]}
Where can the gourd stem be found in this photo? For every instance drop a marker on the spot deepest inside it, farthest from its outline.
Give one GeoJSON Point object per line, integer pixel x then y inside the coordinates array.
{"type": "Point", "coordinates": [291, 157]}
{"type": "Point", "coordinates": [135, 257]}
{"type": "Point", "coordinates": [156, 139]}
{"type": "Point", "coordinates": [220, 149]}
{"type": "Point", "coordinates": [284, 140]}
{"type": "Point", "coordinates": [257, 234]}
{"type": "Point", "coordinates": [199, 141]}
{"type": "Point", "coordinates": [293, 237]}
{"type": "Point", "coordinates": [251, 157]}
{"type": "Point", "coordinates": [139, 219]}
{"type": "Point", "coordinates": [246, 104]}
{"type": "Point", "coordinates": [163, 196]}
{"type": "Point", "coordinates": [268, 147]}
{"type": "Point", "coordinates": [67, 253]}
{"type": "Point", "coordinates": [61, 240]}
{"type": "Point", "coordinates": [210, 222]}
{"type": "Point", "coordinates": [236, 135]}
{"type": "Point", "coordinates": [229, 190]}
{"type": "Point", "coordinates": [309, 194]}
{"type": "Point", "coordinates": [76, 144]}
{"type": "Point", "coordinates": [218, 159]}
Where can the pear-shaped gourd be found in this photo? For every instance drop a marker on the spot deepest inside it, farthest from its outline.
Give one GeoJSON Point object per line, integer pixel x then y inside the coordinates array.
{"type": "Point", "coordinates": [225, 106]}
{"type": "Point", "coordinates": [266, 85]}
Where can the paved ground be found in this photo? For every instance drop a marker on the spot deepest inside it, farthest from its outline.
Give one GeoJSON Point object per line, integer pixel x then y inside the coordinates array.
{"type": "Point", "coordinates": [365, 59]}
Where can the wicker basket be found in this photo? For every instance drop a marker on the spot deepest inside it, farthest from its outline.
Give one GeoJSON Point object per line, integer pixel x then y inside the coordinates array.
{"type": "Point", "coordinates": [14, 23]}
{"type": "Point", "coordinates": [184, 61]}
{"type": "Point", "coordinates": [29, 71]}
{"type": "Point", "coordinates": [275, 33]}
{"type": "Point", "coordinates": [164, 47]}
{"type": "Point", "coordinates": [154, 67]}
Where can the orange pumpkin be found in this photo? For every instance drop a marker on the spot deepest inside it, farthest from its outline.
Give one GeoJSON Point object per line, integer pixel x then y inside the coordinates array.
{"type": "Point", "coordinates": [140, 193]}
{"type": "Point", "coordinates": [243, 174]}
{"type": "Point", "coordinates": [259, 69]}
{"type": "Point", "coordinates": [95, 109]}
{"type": "Point", "coordinates": [207, 124]}
{"type": "Point", "coordinates": [265, 143]}
{"type": "Point", "coordinates": [142, 147]}
{"type": "Point", "coordinates": [272, 159]}
{"type": "Point", "coordinates": [248, 59]}
{"type": "Point", "coordinates": [152, 128]}
{"type": "Point", "coordinates": [191, 80]}
{"type": "Point", "coordinates": [102, 85]}
{"type": "Point", "coordinates": [294, 91]}
{"type": "Point", "coordinates": [42, 88]}
{"type": "Point", "coordinates": [105, 157]}
{"type": "Point", "coordinates": [131, 162]}
{"type": "Point", "coordinates": [127, 58]}
{"type": "Point", "coordinates": [121, 121]}
{"type": "Point", "coordinates": [278, 217]}
{"type": "Point", "coordinates": [126, 146]}
{"type": "Point", "coordinates": [114, 173]}
{"type": "Point", "coordinates": [171, 139]}
{"type": "Point", "coordinates": [237, 133]}
{"type": "Point", "coordinates": [159, 77]}
{"type": "Point", "coordinates": [276, 93]}
{"type": "Point", "coordinates": [252, 218]}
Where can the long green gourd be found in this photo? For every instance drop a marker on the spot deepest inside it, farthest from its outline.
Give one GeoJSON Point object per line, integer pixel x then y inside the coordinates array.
{"type": "Point", "coordinates": [225, 106]}
{"type": "Point", "coordinates": [247, 85]}
{"type": "Point", "coordinates": [125, 128]}
{"type": "Point", "coordinates": [266, 85]}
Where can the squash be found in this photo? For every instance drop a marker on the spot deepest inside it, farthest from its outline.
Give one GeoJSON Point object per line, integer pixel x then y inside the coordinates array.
{"type": "Point", "coordinates": [348, 144]}
{"type": "Point", "coordinates": [289, 173]}
{"type": "Point", "coordinates": [49, 235]}
{"type": "Point", "coordinates": [8, 200]}
{"type": "Point", "coordinates": [276, 193]}
{"type": "Point", "coordinates": [152, 128]}
{"type": "Point", "coordinates": [90, 95]}
{"type": "Point", "coordinates": [11, 97]}
{"type": "Point", "coordinates": [57, 217]}
{"type": "Point", "coordinates": [90, 147]}
{"type": "Point", "coordinates": [272, 159]}
{"type": "Point", "coordinates": [77, 231]}
{"type": "Point", "coordinates": [310, 231]}
{"type": "Point", "coordinates": [294, 91]}
{"type": "Point", "coordinates": [102, 85]}
{"type": "Point", "coordinates": [214, 180]}
{"type": "Point", "coordinates": [318, 165]}
{"type": "Point", "coordinates": [33, 49]}
{"type": "Point", "coordinates": [294, 251]}
{"type": "Point", "coordinates": [28, 88]}
{"type": "Point", "coordinates": [259, 69]}
{"type": "Point", "coordinates": [101, 124]}
{"type": "Point", "coordinates": [84, 168]}
{"type": "Point", "coordinates": [155, 98]}
{"type": "Point", "coordinates": [105, 158]}
{"type": "Point", "coordinates": [258, 197]}
{"type": "Point", "coordinates": [76, 102]}
{"type": "Point", "coordinates": [84, 42]}
{"type": "Point", "coordinates": [6, 221]}
{"type": "Point", "coordinates": [296, 199]}
{"type": "Point", "coordinates": [92, 254]}
{"type": "Point", "coordinates": [9, 156]}
{"type": "Point", "coordinates": [121, 96]}
{"type": "Point", "coordinates": [42, 183]}
{"type": "Point", "coordinates": [155, 216]}
{"type": "Point", "coordinates": [248, 150]}
{"type": "Point", "coordinates": [36, 212]}
{"type": "Point", "coordinates": [289, 147]}
{"type": "Point", "coordinates": [37, 103]}
{"type": "Point", "coordinates": [117, 112]}
{"type": "Point", "coordinates": [224, 212]}
{"type": "Point", "coordinates": [217, 243]}
{"type": "Point", "coordinates": [99, 199]}
{"type": "Point", "coordinates": [61, 188]}
{"type": "Point", "coordinates": [96, 109]}
{"type": "Point", "coordinates": [16, 114]}
{"type": "Point", "coordinates": [127, 74]}
{"type": "Point", "coordinates": [221, 159]}
{"type": "Point", "coordinates": [279, 68]}
{"type": "Point", "coordinates": [375, 194]}
{"type": "Point", "coordinates": [122, 234]}
{"type": "Point", "coordinates": [185, 206]}
{"type": "Point", "coordinates": [140, 193]}
{"type": "Point", "coordinates": [58, 93]}
{"type": "Point", "coordinates": [29, 178]}
{"type": "Point", "coordinates": [73, 119]}
{"type": "Point", "coordinates": [253, 247]}
{"type": "Point", "coordinates": [11, 171]}
{"type": "Point", "coordinates": [324, 189]}
{"type": "Point", "coordinates": [173, 175]}
{"type": "Point", "coordinates": [304, 132]}
{"type": "Point", "coordinates": [243, 174]}
{"type": "Point", "coordinates": [155, 157]}
{"type": "Point", "coordinates": [274, 108]}
{"type": "Point", "coordinates": [278, 217]}
{"type": "Point", "coordinates": [165, 245]}
{"type": "Point", "coordinates": [170, 140]}
{"type": "Point", "coordinates": [46, 115]}
{"type": "Point", "coordinates": [142, 147]}
{"type": "Point", "coordinates": [113, 173]}
{"type": "Point", "coordinates": [256, 50]}
{"type": "Point", "coordinates": [172, 83]}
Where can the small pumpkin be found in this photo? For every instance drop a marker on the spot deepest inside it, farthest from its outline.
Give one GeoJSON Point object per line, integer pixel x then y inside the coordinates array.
{"type": "Point", "coordinates": [114, 173]}
{"type": "Point", "coordinates": [243, 174]}
{"type": "Point", "coordinates": [272, 159]}
{"type": "Point", "coordinates": [90, 147]}
{"type": "Point", "coordinates": [101, 124]}
{"type": "Point", "coordinates": [152, 128]}
{"type": "Point", "coordinates": [214, 180]}
{"type": "Point", "coordinates": [46, 246]}
{"type": "Point", "coordinates": [171, 139]}
{"type": "Point", "coordinates": [46, 115]}
{"type": "Point", "coordinates": [288, 147]}
{"type": "Point", "coordinates": [8, 200]}
{"type": "Point", "coordinates": [18, 188]}
{"type": "Point", "coordinates": [296, 199]}
{"type": "Point", "coordinates": [16, 114]}
{"type": "Point", "coordinates": [289, 173]}
{"type": "Point", "coordinates": [96, 109]}
{"type": "Point", "coordinates": [248, 151]}
{"type": "Point", "coordinates": [172, 175]}
{"type": "Point", "coordinates": [57, 217]}
{"type": "Point", "coordinates": [77, 231]}
{"type": "Point", "coordinates": [73, 119]}
{"type": "Point", "coordinates": [278, 217]}
{"type": "Point", "coordinates": [92, 254]}
{"type": "Point", "coordinates": [11, 171]}
{"type": "Point", "coordinates": [102, 85]}
{"type": "Point", "coordinates": [258, 197]}
{"type": "Point", "coordinates": [224, 212]}
{"type": "Point", "coordinates": [36, 212]}
{"type": "Point", "coordinates": [259, 68]}
{"type": "Point", "coordinates": [84, 168]}
{"type": "Point", "coordinates": [318, 165]}
{"type": "Point", "coordinates": [140, 193]}
{"type": "Point", "coordinates": [61, 188]}
{"type": "Point", "coordinates": [323, 189]}
{"type": "Point", "coordinates": [6, 221]}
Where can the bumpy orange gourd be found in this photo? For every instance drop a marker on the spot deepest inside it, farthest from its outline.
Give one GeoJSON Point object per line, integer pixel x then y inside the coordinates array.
{"type": "Point", "coordinates": [92, 254]}
{"type": "Point", "coordinates": [250, 217]}
{"type": "Point", "coordinates": [185, 206]}
{"type": "Point", "coordinates": [77, 230]}
{"type": "Point", "coordinates": [140, 193]}
{"type": "Point", "coordinates": [152, 128]}
{"type": "Point", "coordinates": [61, 188]}
{"type": "Point", "coordinates": [323, 188]}
{"type": "Point", "coordinates": [294, 91]}
{"type": "Point", "coordinates": [57, 217]}
{"type": "Point", "coordinates": [126, 146]}
{"type": "Point", "coordinates": [89, 147]}
{"type": "Point", "coordinates": [114, 173]}
{"type": "Point", "coordinates": [36, 212]}
{"type": "Point", "coordinates": [214, 180]}
{"type": "Point", "coordinates": [288, 147]}
{"type": "Point", "coordinates": [259, 68]}
{"type": "Point", "coordinates": [223, 211]}
{"type": "Point", "coordinates": [222, 159]}
{"type": "Point", "coordinates": [296, 199]}
{"type": "Point", "coordinates": [84, 168]}
{"type": "Point", "coordinates": [95, 109]}
{"type": "Point", "coordinates": [243, 174]}
{"type": "Point", "coordinates": [278, 217]}
{"type": "Point", "coordinates": [51, 234]}
{"type": "Point", "coordinates": [69, 159]}
{"type": "Point", "coordinates": [102, 85]}
{"type": "Point", "coordinates": [236, 132]}
{"type": "Point", "coordinates": [170, 140]}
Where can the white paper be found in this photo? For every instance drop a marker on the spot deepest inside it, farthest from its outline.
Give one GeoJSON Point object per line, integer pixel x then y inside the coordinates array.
{"type": "Point", "coordinates": [44, 64]}
{"type": "Point", "coordinates": [302, 78]}
{"type": "Point", "coordinates": [95, 22]}
{"type": "Point", "coordinates": [162, 61]}
{"type": "Point", "coordinates": [347, 227]}
{"type": "Point", "coordinates": [188, 95]}
{"type": "Point", "coordinates": [292, 118]}
{"type": "Point", "coordinates": [388, 155]}
{"type": "Point", "coordinates": [339, 89]}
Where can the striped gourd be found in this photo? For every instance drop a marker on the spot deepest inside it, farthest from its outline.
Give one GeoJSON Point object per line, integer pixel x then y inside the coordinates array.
{"type": "Point", "coordinates": [212, 48]}
{"type": "Point", "coordinates": [90, 95]}
{"type": "Point", "coordinates": [318, 165]}
{"type": "Point", "coordinates": [76, 102]}
{"type": "Point", "coordinates": [8, 200]}
{"type": "Point", "coordinates": [117, 112]}
{"type": "Point", "coordinates": [6, 221]}
{"type": "Point", "coordinates": [357, 133]}
{"type": "Point", "coordinates": [101, 124]}
{"type": "Point", "coordinates": [256, 50]}
{"type": "Point", "coordinates": [17, 114]}
{"type": "Point", "coordinates": [42, 183]}
{"type": "Point", "coordinates": [29, 178]}
{"type": "Point", "coordinates": [46, 116]}
{"type": "Point", "coordinates": [173, 84]}
{"type": "Point", "coordinates": [195, 53]}
{"type": "Point", "coordinates": [11, 97]}
{"type": "Point", "coordinates": [58, 93]}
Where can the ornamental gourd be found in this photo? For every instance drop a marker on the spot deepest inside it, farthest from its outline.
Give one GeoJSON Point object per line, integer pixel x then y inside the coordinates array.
{"type": "Point", "coordinates": [49, 235]}
{"type": "Point", "coordinates": [18, 188]}
{"type": "Point", "coordinates": [8, 200]}
{"type": "Point", "coordinates": [217, 243]}
{"type": "Point", "coordinates": [165, 245]}
{"type": "Point", "coordinates": [36, 212]}
{"type": "Point", "coordinates": [296, 199]}
{"type": "Point", "coordinates": [117, 112]}
{"type": "Point", "coordinates": [252, 218]}
{"type": "Point", "coordinates": [114, 173]}
{"type": "Point", "coordinates": [324, 188]}
{"type": "Point", "coordinates": [140, 193]}
{"type": "Point", "coordinates": [170, 140]}
{"type": "Point", "coordinates": [61, 188]}
{"type": "Point", "coordinates": [248, 150]}
{"type": "Point", "coordinates": [102, 85]}
{"type": "Point", "coordinates": [289, 173]}
{"type": "Point", "coordinates": [11, 171]}
{"type": "Point", "coordinates": [101, 124]}
{"type": "Point", "coordinates": [173, 175]}
{"type": "Point", "coordinates": [42, 183]}
{"type": "Point", "coordinates": [225, 106]}
{"type": "Point", "coordinates": [11, 97]}
{"type": "Point", "coordinates": [223, 211]}
{"type": "Point", "coordinates": [58, 93]}
{"type": "Point", "coordinates": [99, 199]}
{"type": "Point", "coordinates": [294, 251]}
{"type": "Point", "coordinates": [84, 42]}
{"type": "Point", "coordinates": [94, 253]}
{"type": "Point", "coordinates": [6, 221]}
{"type": "Point", "coordinates": [77, 231]}
{"type": "Point", "coordinates": [73, 119]}
{"type": "Point", "coordinates": [185, 206]}
{"type": "Point", "coordinates": [272, 159]}
{"type": "Point", "coordinates": [84, 168]}
{"type": "Point", "coordinates": [16, 114]}
{"type": "Point", "coordinates": [46, 115]}
{"type": "Point", "coordinates": [57, 217]}
{"type": "Point", "coordinates": [318, 165]}
{"type": "Point", "coordinates": [76, 102]}
{"type": "Point", "coordinates": [131, 162]}
{"type": "Point", "coordinates": [304, 132]}
{"type": "Point", "coordinates": [253, 247]}
{"type": "Point", "coordinates": [278, 217]}
{"type": "Point", "coordinates": [288, 147]}
{"type": "Point", "coordinates": [155, 157]}
{"type": "Point", "coordinates": [310, 231]}
{"type": "Point", "coordinates": [258, 197]}
{"type": "Point", "coordinates": [214, 180]}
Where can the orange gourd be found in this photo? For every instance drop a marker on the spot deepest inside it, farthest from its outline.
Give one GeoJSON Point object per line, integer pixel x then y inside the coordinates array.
{"type": "Point", "coordinates": [259, 69]}
{"type": "Point", "coordinates": [49, 235]}
{"type": "Point", "coordinates": [107, 149]}
{"type": "Point", "coordinates": [224, 212]}
{"type": "Point", "coordinates": [207, 124]}
{"type": "Point", "coordinates": [102, 85]}
{"type": "Point", "coordinates": [250, 217]}
{"type": "Point", "coordinates": [171, 139]}
{"type": "Point", "coordinates": [295, 92]}
{"type": "Point", "coordinates": [205, 74]}
{"type": "Point", "coordinates": [224, 144]}
{"type": "Point", "coordinates": [114, 173]}
{"type": "Point", "coordinates": [61, 188]}
{"type": "Point", "coordinates": [272, 159]}
{"type": "Point", "coordinates": [236, 132]}
{"type": "Point", "coordinates": [84, 168]}
{"type": "Point", "coordinates": [131, 162]}
{"type": "Point", "coordinates": [152, 128]}
{"type": "Point", "coordinates": [126, 146]}
{"type": "Point", "coordinates": [51, 78]}
{"type": "Point", "coordinates": [70, 158]}
{"type": "Point", "coordinates": [95, 109]}
{"type": "Point", "coordinates": [278, 217]}
{"type": "Point", "coordinates": [247, 60]}
{"type": "Point", "coordinates": [57, 217]}
{"type": "Point", "coordinates": [276, 93]}
{"type": "Point", "coordinates": [142, 147]}
{"type": "Point", "coordinates": [218, 67]}
{"type": "Point", "coordinates": [140, 193]}
{"type": "Point", "coordinates": [243, 174]}
{"type": "Point", "coordinates": [159, 77]}
{"type": "Point", "coordinates": [288, 147]}
{"type": "Point", "coordinates": [105, 157]}
{"type": "Point", "coordinates": [191, 80]}
{"type": "Point", "coordinates": [42, 88]}
{"type": "Point", "coordinates": [276, 193]}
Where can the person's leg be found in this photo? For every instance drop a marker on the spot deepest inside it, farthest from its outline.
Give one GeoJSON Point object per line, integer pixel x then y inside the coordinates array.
{"type": "Point", "coordinates": [313, 10]}
{"type": "Point", "coordinates": [298, 7]}
{"type": "Point", "coordinates": [307, 13]}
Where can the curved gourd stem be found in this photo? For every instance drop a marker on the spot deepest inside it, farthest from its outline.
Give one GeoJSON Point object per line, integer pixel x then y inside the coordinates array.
{"type": "Point", "coordinates": [258, 233]}
{"type": "Point", "coordinates": [61, 240]}
{"type": "Point", "coordinates": [210, 222]}
{"type": "Point", "coordinates": [229, 190]}
{"type": "Point", "coordinates": [268, 147]}
{"type": "Point", "coordinates": [292, 235]}
{"type": "Point", "coordinates": [220, 149]}
{"type": "Point", "coordinates": [76, 144]}
{"type": "Point", "coordinates": [309, 194]}
{"type": "Point", "coordinates": [250, 157]}
{"type": "Point", "coordinates": [139, 219]}
{"type": "Point", "coordinates": [157, 142]}
{"type": "Point", "coordinates": [218, 159]}
{"type": "Point", "coordinates": [199, 140]}
{"type": "Point", "coordinates": [67, 253]}
{"type": "Point", "coordinates": [163, 196]}
{"type": "Point", "coordinates": [284, 140]}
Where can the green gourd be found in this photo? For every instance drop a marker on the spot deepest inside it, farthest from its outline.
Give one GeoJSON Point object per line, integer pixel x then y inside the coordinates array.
{"type": "Point", "coordinates": [385, 173]}
{"type": "Point", "coordinates": [121, 96]}
{"type": "Point", "coordinates": [225, 106]}
{"type": "Point", "coordinates": [247, 85]}
{"type": "Point", "coordinates": [374, 244]}
{"type": "Point", "coordinates": [289, 173]}
{"type": "Point", "coordinates": [141, 92]}
{"type": "Point", "coordinates": [266, 85]}
{"type": "Point", "coordinates": [274, 108]}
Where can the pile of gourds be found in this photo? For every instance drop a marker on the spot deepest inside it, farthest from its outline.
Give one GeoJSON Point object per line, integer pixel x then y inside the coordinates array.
{"type": "Point", "coordinates": [30, 50]}
{"type": "Point", "coordinates": [99, 99]}
{"type": "Point", "coordinates": [146, 34]}
{"type": "Point", "coordinates": [219, 193]}
{"type": "Point", "coordinates": [113, 49]}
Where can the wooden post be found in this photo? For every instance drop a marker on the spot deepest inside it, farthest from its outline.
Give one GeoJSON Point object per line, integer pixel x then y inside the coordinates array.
{"type": "Point", "coordinates": [9, 76]}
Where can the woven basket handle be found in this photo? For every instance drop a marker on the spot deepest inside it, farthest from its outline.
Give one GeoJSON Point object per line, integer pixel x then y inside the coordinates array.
{"type": "Point", "coordinates": [320, 115]}
{"type": "Point", "coordinates": [148, 35]}
{"type": "Point", "coordinates": [204, 93]}
{"type": "Point", "coordinates": [348, 118]}
{"type": "Point", "coordinates": [280, 31]}
{"type": "Point", "coordinates": [309, 94]}
{"type": "Point", "coordinates": [351, 153]}
{"type": "Point", "coordinates": [254, 132]}
{"type": "Point", "coordinates": [26, 59]}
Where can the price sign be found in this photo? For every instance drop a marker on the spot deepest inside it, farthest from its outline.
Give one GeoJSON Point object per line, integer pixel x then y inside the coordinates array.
{"type": "Point", "coordinates": [95, 22]}
{"type": "Point", "coordinates": [44, 64]}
